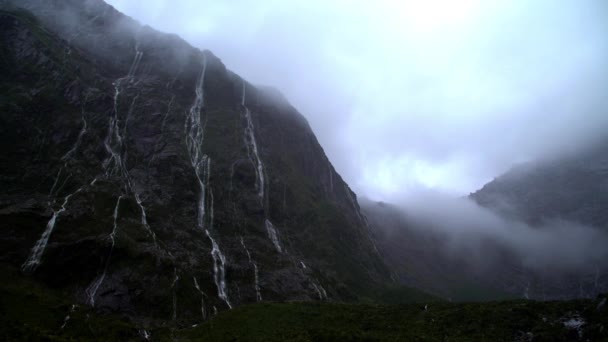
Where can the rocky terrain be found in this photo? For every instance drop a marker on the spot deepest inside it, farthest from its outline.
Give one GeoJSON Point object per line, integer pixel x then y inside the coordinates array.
{"type": "Point", "coordinates": [141, 176]}
{"type": "Point", "coordinates": [150, 193]}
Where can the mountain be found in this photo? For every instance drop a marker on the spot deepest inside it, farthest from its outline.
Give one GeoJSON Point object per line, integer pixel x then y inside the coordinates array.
{"type": "Point", "coordinates": [547, 200]}
{"type": "Point", "coordinates": [573, 188]}
{"type": "Point", "coordinates": [142, 177]}
{"type": "Point", "coordinates": [424, 258]}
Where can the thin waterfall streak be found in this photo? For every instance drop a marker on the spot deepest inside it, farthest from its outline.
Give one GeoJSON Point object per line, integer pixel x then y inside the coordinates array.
{"type": "Point", "coordinates": [91, 290]}
{"type": "Point", "coordinates": [273, 235]}
{"type": "Point", "coordinates": [203, 295]}
{"type": "Point", "coordinates": [33, 260]}
{"type": "Point", "coordinates": [56, 181]}
{"type": "Point", "coordinates": [144, 218]}
{"type": "Point", "coordinates": [252, 147]}
{"type": "Point", "coordinates": [194, 141]}
{"type": "Point", "coordinates": [256, 282]}
{"type": "Point", "coordinates": [219, 270]}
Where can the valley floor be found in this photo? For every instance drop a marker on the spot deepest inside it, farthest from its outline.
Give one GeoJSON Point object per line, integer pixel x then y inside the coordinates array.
{"type": "Point", "coordinates": [29, 311]}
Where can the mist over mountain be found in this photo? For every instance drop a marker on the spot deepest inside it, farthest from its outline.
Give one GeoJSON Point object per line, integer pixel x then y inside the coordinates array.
{"type": "Point", "coordinates": [150, 192]}
{"type": "Point", "coordinates": [406, 94]}
{"type": "Point", "coordinates": [538, 231]}
{"type": "Point", "coordinates": [138, 170]}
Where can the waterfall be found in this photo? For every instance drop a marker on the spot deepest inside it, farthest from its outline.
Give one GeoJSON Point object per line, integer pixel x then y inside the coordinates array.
{"type": "Point", "coordinates": [256, 283]}
{"type": "Point", "coordinates": [91, 291]}
{"type": "Point", "coordinates": [203, 295]}
{"type": "Point", "coordinates": [33, 260]}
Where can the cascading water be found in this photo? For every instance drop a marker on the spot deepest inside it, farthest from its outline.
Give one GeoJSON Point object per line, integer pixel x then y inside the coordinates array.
{"type": "Point", "coordinates": [91, 291]}
{"type": "Point", "coordinates": [272, 234]}
{"type": "Point", "coordinates": [33, 260]}
{"type": "Point", "coordinates": [256, 283]}
{"type": "Point", "coordinates": [67, 318]}
{"type": "Point", "coordinates": [201, 163]}
{"type": "Point", "coordinates": [203, 295]}
{"type": "Point", "coordinates": [320, 291]}
{"type": "Point", "coordinates": [194, 140]}
{"type": "Point", "coordinates": [219, 270]}
{"type": "Point", "coordinates": [252, 148]}
{"type": "Point", "coordinates": [144, 218]}
{"type": "Point", "coordinates": [254, 157]}
{"type": "Point", "coordinates": [114, 143]}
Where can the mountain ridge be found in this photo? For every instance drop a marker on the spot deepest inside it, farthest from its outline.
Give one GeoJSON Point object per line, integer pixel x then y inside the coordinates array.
{"type": "Point", "coordinates": [140, 170]}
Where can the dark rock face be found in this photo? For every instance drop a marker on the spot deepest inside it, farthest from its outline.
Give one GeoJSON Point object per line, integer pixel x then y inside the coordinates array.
{"type": "Point", "coordinates": [141, 176]}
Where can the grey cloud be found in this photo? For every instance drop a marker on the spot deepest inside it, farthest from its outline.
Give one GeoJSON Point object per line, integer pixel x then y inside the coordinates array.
{"type": "Point", "coordinates": [471, 232]}
{"type": "Point", "coordinates": [408, 94]}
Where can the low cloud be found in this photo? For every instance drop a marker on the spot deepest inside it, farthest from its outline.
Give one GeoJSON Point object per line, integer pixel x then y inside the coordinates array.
{"type": "Point", "coordinates": [401, 94]}
{"type": "Point", "coordinates": [477, 233]}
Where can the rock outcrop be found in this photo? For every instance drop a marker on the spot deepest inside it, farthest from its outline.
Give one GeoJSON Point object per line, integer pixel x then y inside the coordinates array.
{"type": "Point", "coordinates": [141, 176]}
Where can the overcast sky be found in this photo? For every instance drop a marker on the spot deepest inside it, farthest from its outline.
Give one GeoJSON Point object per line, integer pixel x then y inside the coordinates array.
{"type": "Point", "coordinates": [403, 95]}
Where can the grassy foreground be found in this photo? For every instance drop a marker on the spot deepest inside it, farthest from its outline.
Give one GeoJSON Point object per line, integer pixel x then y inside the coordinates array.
{"type": "Point", "coordinates": [29, 311]}
{"type": "Point", "coordinates": [493, 321]}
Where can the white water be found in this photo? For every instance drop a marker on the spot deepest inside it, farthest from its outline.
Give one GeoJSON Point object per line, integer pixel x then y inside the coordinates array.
{"type": "Point", "coordinates": [203, 295]}
{"type": "Point", "coordinates": [33, 261]}
{"type": "Point", "coordinates": [256, 283]}
{"type": "Point", "coordinates": [219, 259]}
{"type": "Point", "coordinates": [252, 148]}
{"type": "Point", "coordinates": [303, 264]}
{"type": "Point", "coordinates": [135, 64]}
{"type": "Point", "coordinates": [144, 218]}
{"type": "Point", "coordinates": [219, 270]}
{"type": "Point", "coordinates": [272, 234]}
{"type": "Point", "coordinates": [67, 318]}
{"type": "Point", "coordinates": [145, 334]}
{"type": "Point", "coordinates": [201, 163]}
{"type": "Point", "coordinates": [91, 291]}
{"type": "Point", "coordinates": [320, 291]}
{"type": "Point", "coordinates": [113, 143]}
{"type": "Point", "coordinates": [194, 131]}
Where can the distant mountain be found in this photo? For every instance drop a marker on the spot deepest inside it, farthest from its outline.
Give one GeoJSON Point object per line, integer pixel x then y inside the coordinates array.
{"type": "Point", "coordinates": [421, 257]}
{"type": "Point", "coordinates": [140, 176]}
{"type": "Point", "coordinates": [546, 195]}
{"type": "Point", "coordinates": [573, 188]}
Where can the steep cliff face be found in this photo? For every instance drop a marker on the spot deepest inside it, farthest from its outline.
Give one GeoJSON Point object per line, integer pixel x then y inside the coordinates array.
{"type": "Point", "coordinates": [140, 175]}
